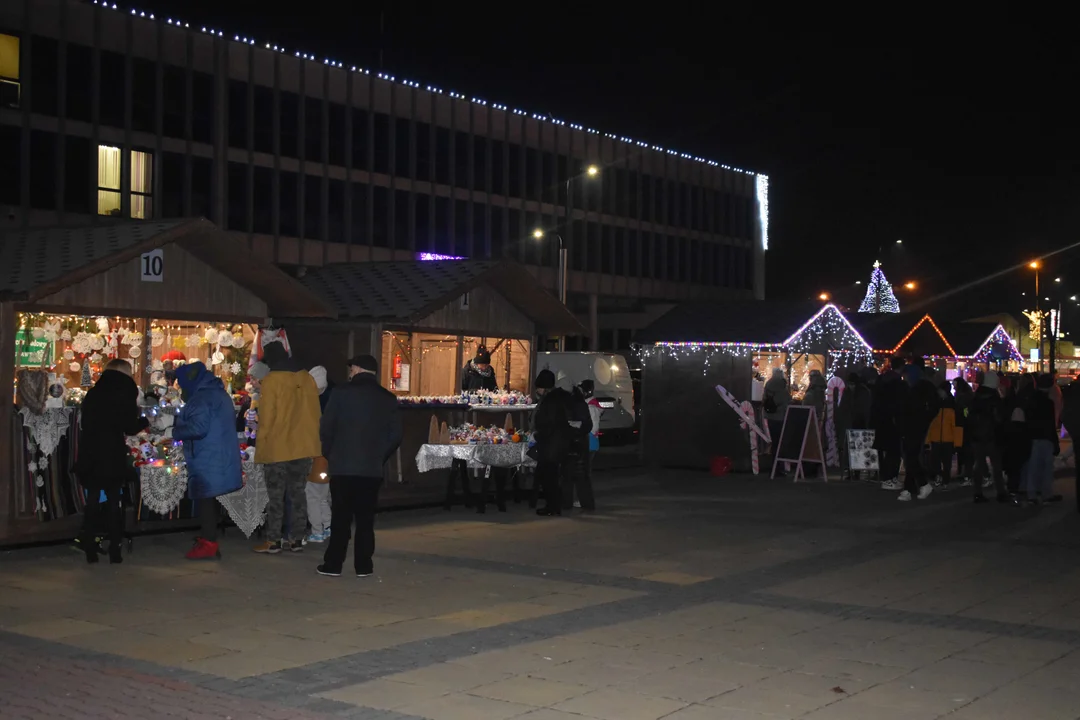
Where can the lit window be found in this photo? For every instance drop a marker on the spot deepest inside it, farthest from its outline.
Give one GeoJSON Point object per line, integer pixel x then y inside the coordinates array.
{"type": "Point", "coordinates": [9, 70]}
{"type": "Point", "coordinates": [142, 183]}
{"type": "Point", "coordinates": [110, 171]}
{"type": "Point", "coordinates": [108, 180]}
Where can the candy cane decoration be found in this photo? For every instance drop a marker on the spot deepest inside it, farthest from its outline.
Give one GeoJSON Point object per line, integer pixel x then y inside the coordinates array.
{"type": "Point", "coordinates": [748, 411]}
{"type": "Point", "coordinates": [745, 411]}
{"type": "Point", "coordinates": [834, 392]}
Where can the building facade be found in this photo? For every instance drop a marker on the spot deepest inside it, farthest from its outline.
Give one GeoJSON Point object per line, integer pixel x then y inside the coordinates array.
{"type": "Point", "coordinates": [108, 111]}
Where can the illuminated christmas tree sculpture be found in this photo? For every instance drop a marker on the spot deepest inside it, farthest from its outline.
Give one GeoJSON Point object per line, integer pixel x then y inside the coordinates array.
{"type": "Point", "coordinates": [879, 295]}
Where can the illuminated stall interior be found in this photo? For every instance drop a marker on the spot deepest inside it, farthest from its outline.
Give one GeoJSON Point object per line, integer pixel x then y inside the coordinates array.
{"type": "Point", "coordinates": [427, 364]}
{"type": "Point", "coordinates": [151, 293]}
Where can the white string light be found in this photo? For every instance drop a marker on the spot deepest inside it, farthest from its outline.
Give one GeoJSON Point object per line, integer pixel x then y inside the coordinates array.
{"type": "Point", "coordinates": [390, 78]}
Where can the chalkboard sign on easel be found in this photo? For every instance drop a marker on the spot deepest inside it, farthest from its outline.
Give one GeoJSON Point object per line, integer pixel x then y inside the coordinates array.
{"type": "Point", "coordinates": [800, 441]}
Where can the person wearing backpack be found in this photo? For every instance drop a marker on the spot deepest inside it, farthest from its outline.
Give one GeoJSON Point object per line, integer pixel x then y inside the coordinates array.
{"type": "Point", "coordinates": [986, 429]}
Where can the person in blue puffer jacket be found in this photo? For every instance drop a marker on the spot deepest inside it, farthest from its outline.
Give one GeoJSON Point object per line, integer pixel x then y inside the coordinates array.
{"type": "Point", "coordinates": [206, 425]}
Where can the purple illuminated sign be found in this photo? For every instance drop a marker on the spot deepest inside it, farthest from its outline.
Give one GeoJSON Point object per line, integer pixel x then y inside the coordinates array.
{"type": "Point", "coordinates": [425, 256]}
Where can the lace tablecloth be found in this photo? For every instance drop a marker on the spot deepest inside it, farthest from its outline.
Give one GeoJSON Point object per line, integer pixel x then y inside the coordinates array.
{"type": "Point", "coordinates": [164, 488]}
{"type": "Point", "coordinates": [440, 457]}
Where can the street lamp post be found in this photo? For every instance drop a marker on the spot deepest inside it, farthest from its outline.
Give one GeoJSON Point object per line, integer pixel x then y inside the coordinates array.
{"type": "Point", "coordinates": [563, 280]}
{"type": "Point", "coordinates": [1035, 265]}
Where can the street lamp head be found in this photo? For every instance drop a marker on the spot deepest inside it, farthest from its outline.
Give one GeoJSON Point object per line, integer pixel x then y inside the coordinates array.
{"type": "Point", "coordinates": [538, 233]}
{"type": "Point", "coordinates": [1057, 279]}
{"type": "Point", "coordinates": [910, 285]}
{"type": "Point", "coordinates": [1034, 265]}
{"type": "Point", "coordinates": [899, 242]}
{"type": "Point", "coordinates": [592, 171]}
{"type": "Point", "coordinates": [824, 297]}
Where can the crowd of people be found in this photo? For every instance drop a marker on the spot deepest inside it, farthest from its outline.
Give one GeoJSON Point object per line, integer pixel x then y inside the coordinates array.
{"type": "Point", "coordinates": [322, 450]}
{"type": "Point", "coordinates": [1003, 433]}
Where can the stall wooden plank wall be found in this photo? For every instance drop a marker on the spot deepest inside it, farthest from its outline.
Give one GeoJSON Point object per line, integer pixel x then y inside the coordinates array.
{"type": "Point", "coordinates": [189, 283]}
{"type": "Point", "coordinates": [488, 313]}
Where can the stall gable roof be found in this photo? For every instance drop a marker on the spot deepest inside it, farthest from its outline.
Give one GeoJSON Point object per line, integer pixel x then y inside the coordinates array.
{"type": "Point", "coordinates": [408, 291]}
{"type": "Point", "coordinates": [37, 263]}
{"type": "Point", "coordinates": [904, 333]}
{"type": "Point", "coordinates": [761, 322]}
{"type": "Point", "coordinates": [970, 338]}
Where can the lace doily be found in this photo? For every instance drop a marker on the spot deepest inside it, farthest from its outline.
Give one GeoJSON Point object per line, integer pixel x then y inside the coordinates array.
{"type": "Point", "coordinates": [247, 506]}
{"type": "Point", "coordinates": [162, 490]}
{"type": "Point", "coordinates": [48, 428]}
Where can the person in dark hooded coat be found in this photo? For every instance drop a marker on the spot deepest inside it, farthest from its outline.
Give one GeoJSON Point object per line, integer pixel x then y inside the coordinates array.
{"type": "Point", "coordinates": [110, 412]}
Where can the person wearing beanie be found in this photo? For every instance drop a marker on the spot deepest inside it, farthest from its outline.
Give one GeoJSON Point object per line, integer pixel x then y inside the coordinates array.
{"type": "Point", "coordinates": [478, 375]}
{"type": "Point", "coordinates": [1042, 427]}
{"type": "Point", "coordinates": [318, 484]}
{"type": "Point", "coordinates": [554, 438]}
{"type": "Point", "coordinates": [288, 440]}
{"type": "Point", "coordinates": [206, 427]}
{"type": "Point", "coordinates": [360, 430]}
{"type": "Point", "coordinates": [986, 426]}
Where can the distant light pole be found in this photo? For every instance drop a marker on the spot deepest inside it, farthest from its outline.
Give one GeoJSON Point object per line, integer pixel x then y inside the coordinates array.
{"type": "Point", "coordinates": [1035, 265]}
{"type": "Point", "coordinates": [591, 171]}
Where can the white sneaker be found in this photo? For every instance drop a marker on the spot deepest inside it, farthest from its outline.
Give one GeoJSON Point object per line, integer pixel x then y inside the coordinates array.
{"type": "Point", "coordinates": [577, 503]}
{"type": "Point", "coordinates": [925, 490]}
{"type": "Point", "coordinates": [966, 482]}
{"type": "Point", "coordinates": [905, 496]}
{"type": "Point", "coordinates": [988, 482]}
{"type": "Point", "coordinates": [893, 484]}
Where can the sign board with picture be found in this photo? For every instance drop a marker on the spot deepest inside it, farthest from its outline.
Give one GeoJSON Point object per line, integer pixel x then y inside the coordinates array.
{"type": "Point", "coordinates": [861, 452]}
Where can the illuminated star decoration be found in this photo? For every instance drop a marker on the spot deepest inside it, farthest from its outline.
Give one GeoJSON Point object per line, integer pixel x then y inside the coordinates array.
{"type": "Point", "coordinates": [879, 295]}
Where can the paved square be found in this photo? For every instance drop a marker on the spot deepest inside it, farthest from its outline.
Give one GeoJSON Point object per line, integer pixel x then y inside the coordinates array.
{"type": "Point", "coordinates": [685, 597]}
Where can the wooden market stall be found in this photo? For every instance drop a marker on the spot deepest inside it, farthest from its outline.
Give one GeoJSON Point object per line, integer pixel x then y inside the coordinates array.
{"type": "Point", "coordinates": [424, 321]}
{"type": "Point", "coordinates": [696, 346]}
{"type": "Point", "coordinates": [73, 298]}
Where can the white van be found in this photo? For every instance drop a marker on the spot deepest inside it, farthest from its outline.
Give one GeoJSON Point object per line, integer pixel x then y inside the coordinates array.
{"type": "Point", "coordinates": [614, 386]}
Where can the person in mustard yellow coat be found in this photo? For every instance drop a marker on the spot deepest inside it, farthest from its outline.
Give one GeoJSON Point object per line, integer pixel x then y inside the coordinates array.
{"type": "Point", "coordinates": [944, 436]}
{"type": "Point", "coordinates": [287, 441]}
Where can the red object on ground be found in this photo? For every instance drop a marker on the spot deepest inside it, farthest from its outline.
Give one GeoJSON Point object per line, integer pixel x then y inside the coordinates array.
{"type": "Point", "coordinates": [720, 465]}
{"type": "Point", "coordinates": [203, 550]}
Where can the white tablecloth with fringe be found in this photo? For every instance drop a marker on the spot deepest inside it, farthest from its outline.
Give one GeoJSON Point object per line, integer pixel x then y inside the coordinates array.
{"type": "Point", "coordinates": [441, 457]}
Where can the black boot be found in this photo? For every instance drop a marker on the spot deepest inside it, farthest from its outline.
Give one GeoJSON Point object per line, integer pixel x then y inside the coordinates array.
{"type": "Point", "coordinates": [115, 555]}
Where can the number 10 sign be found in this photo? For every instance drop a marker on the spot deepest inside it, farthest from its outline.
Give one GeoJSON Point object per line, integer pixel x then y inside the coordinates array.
{"type": "Point", "coordinates": [152, 266]}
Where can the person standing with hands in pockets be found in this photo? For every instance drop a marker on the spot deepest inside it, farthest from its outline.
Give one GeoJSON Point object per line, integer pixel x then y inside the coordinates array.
{"type": "Point", "coordinates": [360, 430]}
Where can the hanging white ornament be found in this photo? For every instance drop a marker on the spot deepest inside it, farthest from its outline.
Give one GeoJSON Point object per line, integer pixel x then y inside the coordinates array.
{"type": "Point", "coordinates": [97, 343]}
{"type": "Point", "coordinates": [234, 369]}
{"type": "Point", "coordinates": [81, 343]}
{"type": "Point", "coordinates": [192, 340]}
{"type": "Point", "coordinates": [225, 338]}
{"type": "Point", "coordinates": [38, 333]}
{"type": "Point", "coordinates": [157, 338]}
{"type": "Point", "coordinates": [66, 336]}
{"type": "Point", "coordinates": [74, 367]}
{"type": "Point", "coordinates": [134, 351]}
{"type": "Point", "coordinates": [96, 358]}
{"type": "Point", "coordinates": [134, 338]}
{"type": "Point", "coordinates": [102, 324]}
{"type": "Point", "coordinates": [211, 336]}
{"type": "Point", "coordinates": [32, 466]}
{"type": "Point", "coordinates": [217, 358]}
{"type": "Point", "coordinates": [239, 342]}
{"type": "Point", "coordinates": [52, 331]}
{"type": "Point", "coordinates": [69, 354]}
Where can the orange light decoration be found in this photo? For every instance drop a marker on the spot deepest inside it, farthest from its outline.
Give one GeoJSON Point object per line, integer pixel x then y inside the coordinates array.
{"type": "Point", "coordinates": [926, 318]}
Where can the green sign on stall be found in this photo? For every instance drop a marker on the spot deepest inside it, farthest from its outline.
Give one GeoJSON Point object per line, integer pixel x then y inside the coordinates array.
{"type": "Point", "coordinates": [31, 351]}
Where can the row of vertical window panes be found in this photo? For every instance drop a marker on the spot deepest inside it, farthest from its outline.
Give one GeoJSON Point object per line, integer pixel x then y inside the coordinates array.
{"type": "Point", "coordinates": [10, 88]}
{"type": "Point", "coordinates": [110, 172]}
{"type": "Point", "coordinates": [399, 146]}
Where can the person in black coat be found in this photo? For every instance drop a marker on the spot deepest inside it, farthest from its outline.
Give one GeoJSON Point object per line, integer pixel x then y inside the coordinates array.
{"type": "Point", "coordinates": [478, 375]}
{"type": "Point", "coordinates": [885, 410]}
{"type": "Point", "coordinates": [360, 430]}
{"type": "Point", "coordinates": [110, 412]}
{"type": "Point", "coordinates": [554, 438]}
{"type": "Point", "coordinates": [985, 428]}
{"type": "Point", "coordinates": [918, 411]}
{"type": "Point", "coordinates": [576, 469]}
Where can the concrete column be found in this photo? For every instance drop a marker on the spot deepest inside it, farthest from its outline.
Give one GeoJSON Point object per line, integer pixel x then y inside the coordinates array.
{"type": "Point", "coordinates": [594, 321]}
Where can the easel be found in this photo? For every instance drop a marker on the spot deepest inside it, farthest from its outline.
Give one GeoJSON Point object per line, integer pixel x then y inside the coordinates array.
{"type": "Point", "coordinates": [799, 442]}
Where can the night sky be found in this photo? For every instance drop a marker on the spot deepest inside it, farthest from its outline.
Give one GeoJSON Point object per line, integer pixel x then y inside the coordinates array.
{"type": "Point", "coordinates": [955, 134]}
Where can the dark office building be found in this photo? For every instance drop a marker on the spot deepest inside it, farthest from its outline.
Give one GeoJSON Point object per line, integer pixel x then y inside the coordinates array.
{"type": "Point", "coordinates": [109, 112]}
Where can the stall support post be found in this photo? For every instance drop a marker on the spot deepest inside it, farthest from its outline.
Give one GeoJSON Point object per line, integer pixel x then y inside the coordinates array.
{"type": "Point", "coordinates": [7, 412]}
